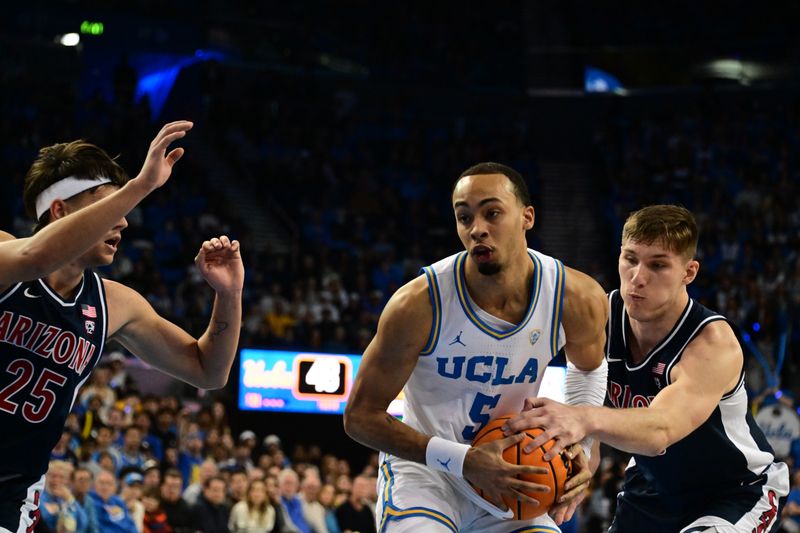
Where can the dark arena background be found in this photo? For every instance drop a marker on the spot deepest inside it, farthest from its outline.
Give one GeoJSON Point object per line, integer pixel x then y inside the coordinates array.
{"type": "Point", "coordinates": [326, 139]}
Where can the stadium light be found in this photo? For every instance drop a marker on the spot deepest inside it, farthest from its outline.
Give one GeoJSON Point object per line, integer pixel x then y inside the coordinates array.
{"type": "Point", "coordinates": [70, 39]}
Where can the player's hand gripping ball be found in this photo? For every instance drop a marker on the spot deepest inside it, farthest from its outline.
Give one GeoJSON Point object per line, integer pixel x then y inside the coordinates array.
{"type": "Point", "coordinates": [559, 469]}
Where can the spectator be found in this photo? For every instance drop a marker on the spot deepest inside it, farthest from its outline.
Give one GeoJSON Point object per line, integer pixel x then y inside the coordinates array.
{"type": "Point", "coordinates": [105, 441]}
{"type": "Point", "coordinates": [191, 458]}
{"type": "Point", "coordinates": [289, 483]}
{"type": "Point", "coordinates": [62, 452]}
{"type": "Point", "coordinates": [211, 512]}
{"type": "Point", "coordinates": [780, 424]}
{"type": "Point", "coordinates": [152, 474]}
{"type": "Point", "coordinates": [59, 509]}
{"type": "Point", "coordinates": [255, 514]}
{"type": "Point", "coordinates": [130, 454]}
{"type": "Point", "coordinates": [312, 508]}
{"type": "Point", "coordinates": [208, 469]}
{"type": "Point", "coordinates": [155, 519]}
{"type": "Point", "coordinates": [241, 459]}
{"type": "Point", "coordinates": [151, 443]}
{"type": "Point", "coordinates": [82, 480]}
{"type": "Point", "coordinates": [326, 497]}
{"type": "Point", "coordinates": [112, 513]}
{"type": "Point", "coordinates": [355, 514]}
{"type": "Point", "coordinates": [237, 489]}
{"type": "Point", "coordinates": [178, 511]}
{"type": "Point", "coordinates": [131, 494]}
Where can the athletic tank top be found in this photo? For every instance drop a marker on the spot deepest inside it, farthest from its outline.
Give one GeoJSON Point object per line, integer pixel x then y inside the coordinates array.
{"type": "Point", "coordinates": [48, 348]}
{"type": "Point", "coordinates": [476, 367]}
{"type": "Point", "coordinates": [727, 451]}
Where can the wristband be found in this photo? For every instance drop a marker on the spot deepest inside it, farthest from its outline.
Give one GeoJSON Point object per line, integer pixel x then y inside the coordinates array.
{"type": "Point", "coordinates": [446, 456]}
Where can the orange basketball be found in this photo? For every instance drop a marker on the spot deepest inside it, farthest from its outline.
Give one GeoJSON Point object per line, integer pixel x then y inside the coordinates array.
{"type": "Point", "coordinates": [560, 468]}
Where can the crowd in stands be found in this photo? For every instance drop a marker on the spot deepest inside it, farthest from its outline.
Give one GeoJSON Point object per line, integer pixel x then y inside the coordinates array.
{"type": "Point", "coordinates": [132, 463]}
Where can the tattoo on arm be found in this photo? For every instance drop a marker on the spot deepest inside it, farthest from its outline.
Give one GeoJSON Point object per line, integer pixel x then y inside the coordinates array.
{"type": "Point", "coordinates": [219, 327]}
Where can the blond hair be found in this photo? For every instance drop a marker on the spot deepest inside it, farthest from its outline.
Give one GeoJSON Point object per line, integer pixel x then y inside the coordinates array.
{"type": "Point", "coordinates": [670, 226]}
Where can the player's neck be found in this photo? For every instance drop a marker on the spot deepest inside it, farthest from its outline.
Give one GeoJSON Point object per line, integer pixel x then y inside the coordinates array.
{"type": "Point", "coordinates": [65, 281]}
{"type": "Point", "coordinates": [504, 294]}
{"type": "Point", "coordinates": [646, 335]}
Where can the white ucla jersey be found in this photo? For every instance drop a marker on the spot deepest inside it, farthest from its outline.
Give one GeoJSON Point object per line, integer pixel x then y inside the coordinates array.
{"type": "Point", "coordinates": [476, 367]}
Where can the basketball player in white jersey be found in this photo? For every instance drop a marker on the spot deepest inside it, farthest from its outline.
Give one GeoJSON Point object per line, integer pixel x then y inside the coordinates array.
{"type": "Point", "coordinates": [676, 397]}
{"type": "Point", "coordinates": [468, 341]}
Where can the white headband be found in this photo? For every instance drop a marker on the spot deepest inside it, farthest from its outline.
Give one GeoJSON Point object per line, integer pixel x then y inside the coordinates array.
{"type": "Point", "coordinates": [63, 190]}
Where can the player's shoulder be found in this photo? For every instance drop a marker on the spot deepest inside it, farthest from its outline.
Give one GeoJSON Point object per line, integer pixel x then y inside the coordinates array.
{"type": "Point", "coordinates": [5, 236]}
{"type": "Point", "coordinates": [583, 296]}
{"type": "Point", "coordinates": [118, 294]}
{"type": "Point", "coordinates": [411, 295]}
{"type": "Point", "coordinates": [717, 335]}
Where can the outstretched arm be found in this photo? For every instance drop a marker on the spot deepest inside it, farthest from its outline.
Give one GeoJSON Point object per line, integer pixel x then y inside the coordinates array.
{"type": "Point", "coordinates": [64, 239]}
{"type": "Point", "coordinates": [709, 367]}
{"type": "Point", "coordinates": [204, 362]}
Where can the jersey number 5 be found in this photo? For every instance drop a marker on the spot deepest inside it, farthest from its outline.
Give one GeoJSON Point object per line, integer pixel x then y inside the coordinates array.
{"type": "Point", "coordinates": [24, 370]}
{"type": "Point", "coordinates": [482, 403]}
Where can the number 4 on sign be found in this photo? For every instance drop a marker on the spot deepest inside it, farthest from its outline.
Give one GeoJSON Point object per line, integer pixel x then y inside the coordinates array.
{"type": "Point", "coordinates": [324, 375]}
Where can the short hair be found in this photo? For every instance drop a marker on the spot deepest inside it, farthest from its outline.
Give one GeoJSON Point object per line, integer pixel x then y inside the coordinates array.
{"type": "Point", "coordinates": [671, 226]}
{"type": "Point", "coordinates": [64, 466]}
{"type": "Point", "coordinates": [81, 469]}
{"type": "Point", "coordinates": [489, 167]}
{"type": "Point", "coordinates": [80, 159]}
{"type": "Point", "coordinates": [173, 472]}
{"type": "Point", "coordinates": [207, 483]}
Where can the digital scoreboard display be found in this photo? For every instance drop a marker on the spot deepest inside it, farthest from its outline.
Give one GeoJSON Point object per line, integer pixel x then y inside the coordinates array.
{"type": "Point", "coordinates": [305, 382]}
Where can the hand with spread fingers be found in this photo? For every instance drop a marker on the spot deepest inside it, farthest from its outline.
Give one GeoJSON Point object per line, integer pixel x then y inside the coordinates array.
{"type": "Point", "coordinates": [486, 469]}
{"type": "Point", "coordinates": [563, 423]}
{"type": "Point", "coordinates": [157, 167]}
{"type": "Point", "coordinates": [220, 263]}
{"type": "Point", "coordinates": [575, 488]}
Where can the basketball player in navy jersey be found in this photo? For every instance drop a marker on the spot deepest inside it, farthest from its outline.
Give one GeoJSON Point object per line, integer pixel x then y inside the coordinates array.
{"type": "Point", "coordinates": [56, 314]}
{"type": "Point", "coordinates": [676, 398]}
{"type": "Point", "coordinates": [468, 340]}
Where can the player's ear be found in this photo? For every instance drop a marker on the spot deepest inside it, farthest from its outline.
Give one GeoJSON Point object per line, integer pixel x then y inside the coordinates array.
{"type": "Point", "coordinates": [58, 209]}
{"type": "Point", "coordinates": [692, 268]}
{"type": "Point", "coordinates": [528, 217]}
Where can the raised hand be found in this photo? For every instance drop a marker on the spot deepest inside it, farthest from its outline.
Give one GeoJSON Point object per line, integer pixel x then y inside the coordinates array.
{"type": "Point", "coordinates": [220, 263]}
{"type": "Point", "coordinates": [157, 167]}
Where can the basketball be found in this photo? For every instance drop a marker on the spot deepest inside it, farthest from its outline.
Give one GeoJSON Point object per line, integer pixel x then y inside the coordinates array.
{"type": "Point", "coordinates": [560, 468]}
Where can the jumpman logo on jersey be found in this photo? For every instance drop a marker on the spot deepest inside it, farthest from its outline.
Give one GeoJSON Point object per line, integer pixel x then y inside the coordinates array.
{"type": "Point", "coordinates": [457, 340]}
{"type": "Point", "coordinates": [445, 463]}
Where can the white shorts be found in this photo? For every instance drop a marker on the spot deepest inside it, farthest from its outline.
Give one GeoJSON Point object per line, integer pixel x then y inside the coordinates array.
{"type": "Point", "coordinates": [412, 498]}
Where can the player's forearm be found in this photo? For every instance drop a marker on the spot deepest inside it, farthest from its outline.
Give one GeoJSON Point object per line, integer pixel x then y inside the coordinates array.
{"type": "Point", "coordinates": [379, 430]}
{"type": "Point", "coordinates": [218, 344]}
{"type": "Point", "coordinates": [65, 239]}
{"type": "Point", "coordinates": [637, 430]}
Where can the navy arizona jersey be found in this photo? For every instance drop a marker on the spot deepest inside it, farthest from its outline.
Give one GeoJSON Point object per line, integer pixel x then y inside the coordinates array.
{"type": "Point", "coordinates": [48, 348]}
{"type": "Point", "coordinates": [726, 455]}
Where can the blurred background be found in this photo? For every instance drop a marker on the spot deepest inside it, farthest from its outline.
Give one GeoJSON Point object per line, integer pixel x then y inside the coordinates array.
{"type": "Point", "coordinates": [327, 138]}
